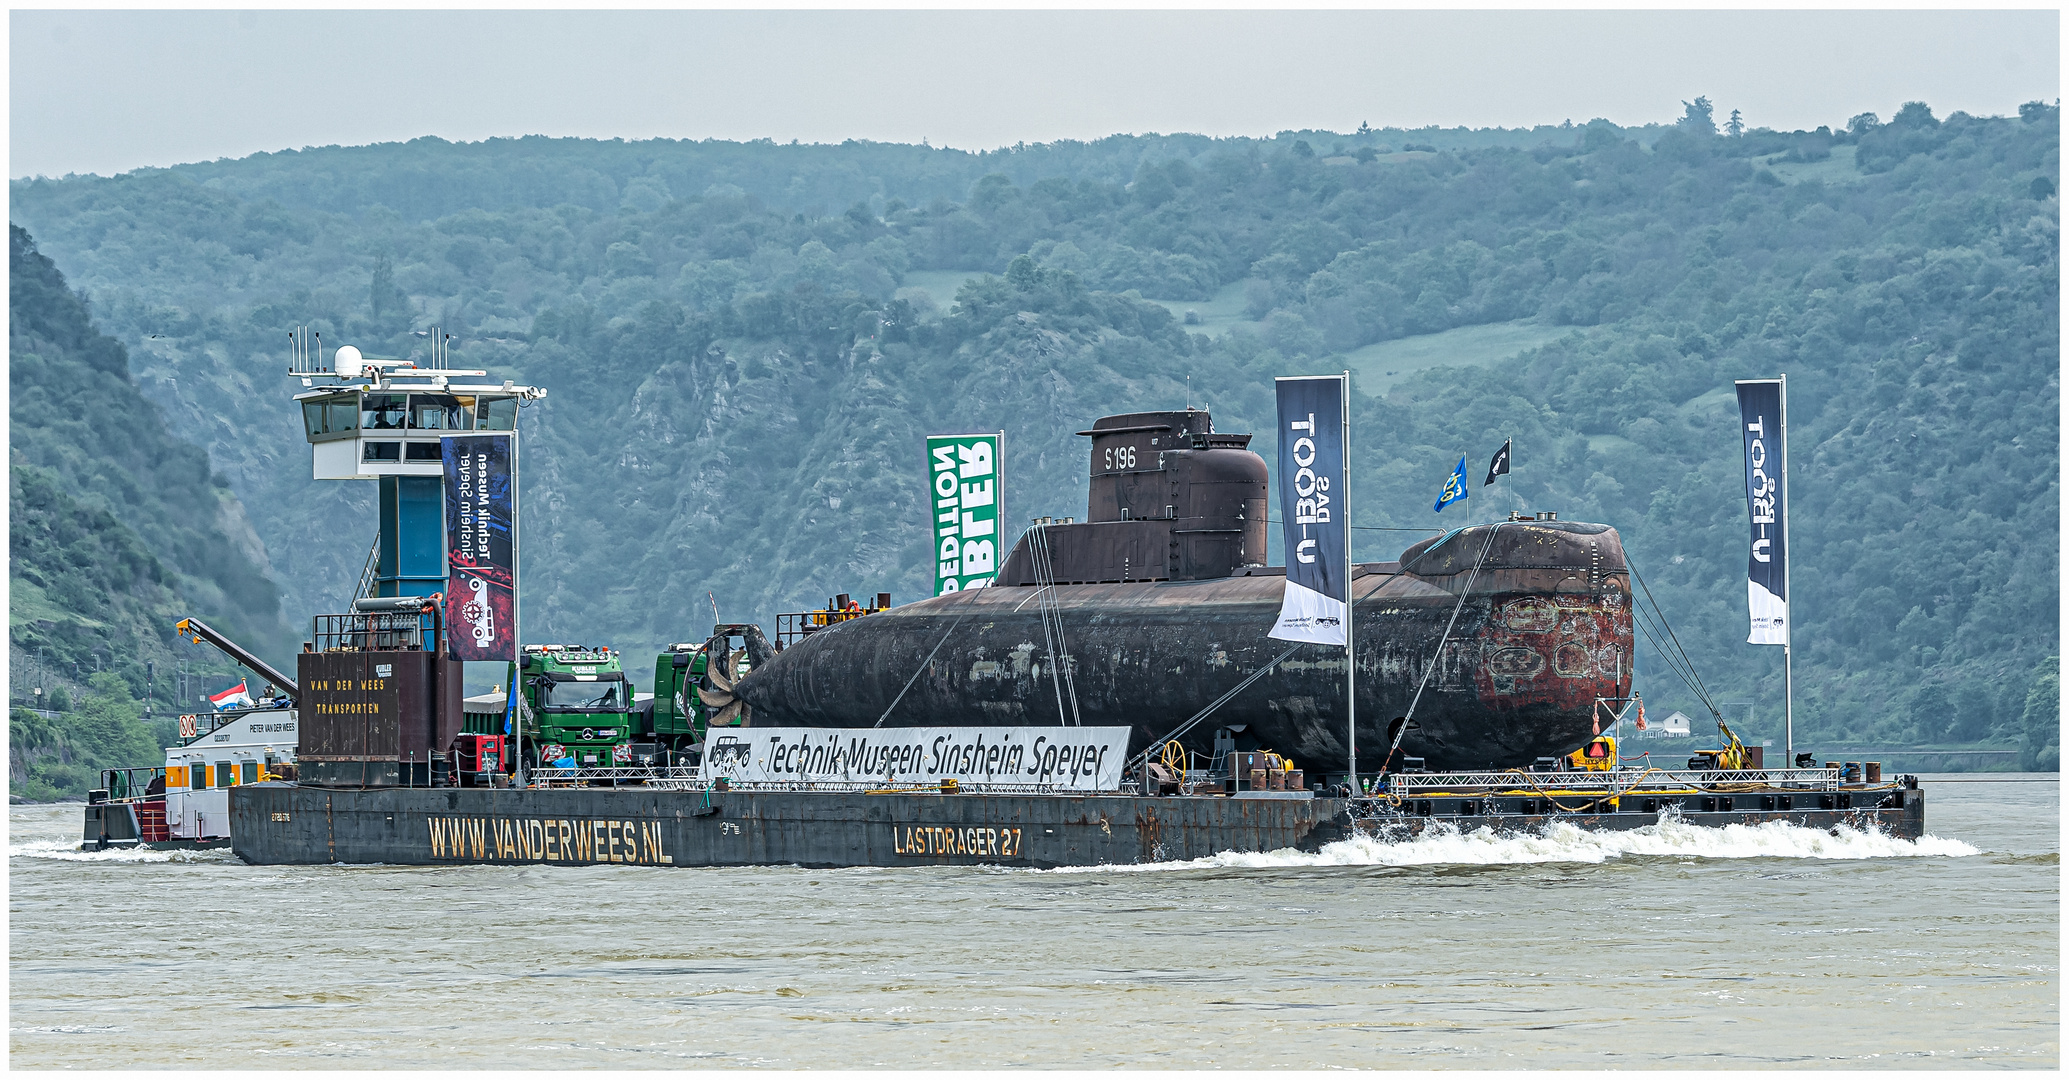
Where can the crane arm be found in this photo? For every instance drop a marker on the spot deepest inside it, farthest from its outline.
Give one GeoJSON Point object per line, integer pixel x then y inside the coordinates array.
{"type": "Point", "coordinates": [200, 631]}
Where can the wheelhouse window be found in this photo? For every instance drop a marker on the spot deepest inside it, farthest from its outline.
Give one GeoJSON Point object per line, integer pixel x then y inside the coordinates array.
{"type": "Point", "coordinates": [440, 412]}
{"type": "Point", "coordinates": [331, 415]}
{"type": "Point", "coordinates": [383, 412]}
{"type": "Point", "coordinates": [496, 414]}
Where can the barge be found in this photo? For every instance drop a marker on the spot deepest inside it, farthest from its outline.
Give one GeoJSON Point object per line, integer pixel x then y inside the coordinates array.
{"type": "Point", "coordinates": [711, 824]}
{"type": "Point", "coordinates": [395, 768]}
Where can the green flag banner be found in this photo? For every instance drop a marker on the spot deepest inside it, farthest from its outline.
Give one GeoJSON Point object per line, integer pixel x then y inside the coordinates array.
{"type": "Point", "coordinates": [966, 492]}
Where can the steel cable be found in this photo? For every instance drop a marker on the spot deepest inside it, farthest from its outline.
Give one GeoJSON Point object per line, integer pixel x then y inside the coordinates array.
{"type": "Point", "coordinates": [1180, 730]}
{"type": "Point", "coordinates": [1678, 661]}
{"type": "Point", "coordinates": [916, 671]}
{"type": "Point", "coordinates": [1052, 626]}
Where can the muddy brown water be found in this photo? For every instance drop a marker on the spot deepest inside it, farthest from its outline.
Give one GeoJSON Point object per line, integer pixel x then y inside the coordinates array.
{"type": "Point", "coordinates": [1671, 947]}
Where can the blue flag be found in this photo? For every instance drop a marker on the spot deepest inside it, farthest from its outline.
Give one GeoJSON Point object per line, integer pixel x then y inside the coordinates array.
{"type": "Point", "coordinates": [1455, 487]}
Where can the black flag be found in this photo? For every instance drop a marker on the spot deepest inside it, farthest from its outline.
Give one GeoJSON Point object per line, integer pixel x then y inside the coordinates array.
{"type": "Point", "coordinates": [1499, 465]}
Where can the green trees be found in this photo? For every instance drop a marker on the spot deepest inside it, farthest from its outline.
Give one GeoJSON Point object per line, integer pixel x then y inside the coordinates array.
{"type": "Point", "coordinates": [2040, 720]}
{"type": "Point", "coordinates": [742, 355]}
{"type": "Point", "coordinates": [116, 529]}
{"type": "Point", "coordinates": [1698, 119]}
{"type": "Point", "coordinates": [55, 758]}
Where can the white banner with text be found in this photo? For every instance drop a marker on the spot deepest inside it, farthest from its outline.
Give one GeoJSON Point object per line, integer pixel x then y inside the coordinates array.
{"type": "Point", "coordinates": [1065, 758]}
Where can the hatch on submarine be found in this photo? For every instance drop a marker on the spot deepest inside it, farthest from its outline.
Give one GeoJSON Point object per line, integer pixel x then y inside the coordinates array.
{"type": "Point", "coordinates": [1164, 605]}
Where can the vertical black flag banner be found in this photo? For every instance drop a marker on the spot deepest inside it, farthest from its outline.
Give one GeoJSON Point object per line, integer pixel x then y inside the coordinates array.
{"type": "Point", "coordinates": [1311, 486]}
{"type": "Point", "coordinates": [1767, 568]}
{"type": "Point", "coordinates": [481, 591]}
{"type": "Point", "coordinates": [1500, 465]}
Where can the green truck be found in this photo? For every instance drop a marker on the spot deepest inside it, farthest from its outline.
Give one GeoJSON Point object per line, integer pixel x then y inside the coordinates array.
{"type": "Point", "coordinates": [577, 707]}
{"type": "Point", "coordinates": [693, 688]}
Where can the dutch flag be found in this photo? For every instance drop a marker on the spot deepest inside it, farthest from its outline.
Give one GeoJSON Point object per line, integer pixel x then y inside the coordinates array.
{"type": "Point", "coordinates": [236, 697]}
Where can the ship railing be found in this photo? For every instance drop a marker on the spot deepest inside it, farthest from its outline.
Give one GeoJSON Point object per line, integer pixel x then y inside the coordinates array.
{"type": "Point", "coordinates": [793, 626]}
{"type": "Point", "coordinates": [869, 787]}
{"type": "Point", "coordinates": [119, 785]}
{"type": "Point", "coordinates": [370, 631]}
{"type": "Point", "coordinates": [369, 575]}
{"type": "Point", "coordinates": [549, 776]}
{"type": "Point", "coordinates": [1615, 780]}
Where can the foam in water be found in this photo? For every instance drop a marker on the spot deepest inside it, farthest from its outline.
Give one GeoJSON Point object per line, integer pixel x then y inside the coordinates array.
{"type": "Point", "coordinates": [68, 851]}
{"type": "Point", "coordinates": [1561, 842]}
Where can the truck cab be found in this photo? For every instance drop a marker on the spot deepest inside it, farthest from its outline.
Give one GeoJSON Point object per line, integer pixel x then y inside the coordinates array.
{"type": "Point", "coordinates": [579, 706]}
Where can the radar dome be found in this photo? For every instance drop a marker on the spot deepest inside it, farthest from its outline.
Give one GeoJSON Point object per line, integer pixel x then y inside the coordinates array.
{"type": "Point", "coordinates": [349, 364]}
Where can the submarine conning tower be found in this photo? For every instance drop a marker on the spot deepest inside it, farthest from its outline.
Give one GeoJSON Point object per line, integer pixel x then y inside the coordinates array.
{"type": "Point", "coordinates": [1171, 499]}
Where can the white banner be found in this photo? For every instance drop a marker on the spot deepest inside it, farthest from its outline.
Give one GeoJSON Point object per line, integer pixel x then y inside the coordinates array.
{"type": "Point", "coordinates": [1770, 616]}
{"type": "Point", "coordinates": [1065, 758]}
{"type": "Point", "coordinates": [1306, 615]}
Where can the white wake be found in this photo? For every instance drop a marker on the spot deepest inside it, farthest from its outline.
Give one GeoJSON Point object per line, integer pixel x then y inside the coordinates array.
{"type": "Point", "coordinates": [68, 851]}
{"type": "Point", "coordinates": [1560, 842]}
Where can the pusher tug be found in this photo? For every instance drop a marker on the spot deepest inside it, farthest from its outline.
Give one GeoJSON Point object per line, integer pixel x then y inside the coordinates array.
{"type": "Point", "coordinates": [185, 803]}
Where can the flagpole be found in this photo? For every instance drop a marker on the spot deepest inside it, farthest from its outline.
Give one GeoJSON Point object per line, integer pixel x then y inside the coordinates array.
{"type": "Point", "coordinates": [1350, 594]}
{"type": "Point", "coordinates": [1788, 608]}
{"type": "Point", "coordinates": [516, 635]}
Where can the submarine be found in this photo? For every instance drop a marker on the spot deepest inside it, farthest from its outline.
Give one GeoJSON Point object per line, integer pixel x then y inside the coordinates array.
{"type": "Point", "coordinates": [1514, 633]}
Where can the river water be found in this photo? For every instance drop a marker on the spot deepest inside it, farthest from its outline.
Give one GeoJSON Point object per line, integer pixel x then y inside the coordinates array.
{"type": "Point", "coordinates": [1673, 947]}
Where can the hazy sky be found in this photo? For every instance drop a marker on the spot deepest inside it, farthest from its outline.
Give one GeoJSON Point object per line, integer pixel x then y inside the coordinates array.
{"type": "Point", "coordinates": [105, 91]}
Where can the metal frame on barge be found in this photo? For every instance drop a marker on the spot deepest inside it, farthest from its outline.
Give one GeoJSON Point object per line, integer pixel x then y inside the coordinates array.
{"type": "Point", "coordinates": [662, 822]}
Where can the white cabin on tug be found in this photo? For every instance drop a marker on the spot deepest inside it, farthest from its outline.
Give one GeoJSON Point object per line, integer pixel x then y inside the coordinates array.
{"type": "Point", "coordinates": [186, 801]}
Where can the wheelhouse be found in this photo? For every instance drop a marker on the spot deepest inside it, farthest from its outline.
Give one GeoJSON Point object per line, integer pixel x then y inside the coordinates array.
{"type": "Point", "coordinates": [369, 433]}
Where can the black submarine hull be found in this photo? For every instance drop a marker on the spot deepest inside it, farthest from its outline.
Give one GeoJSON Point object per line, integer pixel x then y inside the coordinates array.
{"type": "Point", "coordinates": [1543, 634]}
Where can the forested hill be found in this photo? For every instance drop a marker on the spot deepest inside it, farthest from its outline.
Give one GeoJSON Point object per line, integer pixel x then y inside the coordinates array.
{"type": "Point", "coordinates": [741, 371]}
{"type": "Point", "coordinates": [116, 529]}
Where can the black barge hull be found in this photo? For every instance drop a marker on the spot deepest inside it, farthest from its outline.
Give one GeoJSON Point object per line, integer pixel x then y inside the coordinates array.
{"type": "Point", "coordinates": [284, 824]}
